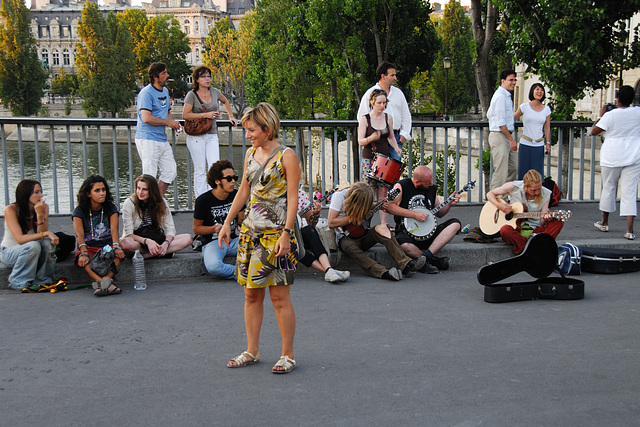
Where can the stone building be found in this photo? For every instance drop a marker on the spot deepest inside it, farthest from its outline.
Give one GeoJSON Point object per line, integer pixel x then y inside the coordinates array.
{"type": "Point", "coordinates": [55, 22]}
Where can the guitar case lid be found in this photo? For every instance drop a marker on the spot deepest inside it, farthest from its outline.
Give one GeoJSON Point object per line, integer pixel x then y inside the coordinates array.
{"type": "Point", "coordinates": [538, 259]}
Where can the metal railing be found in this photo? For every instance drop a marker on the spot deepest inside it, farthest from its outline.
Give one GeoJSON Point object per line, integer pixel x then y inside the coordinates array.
{"type": "Point", "coordinates": [62, 152]}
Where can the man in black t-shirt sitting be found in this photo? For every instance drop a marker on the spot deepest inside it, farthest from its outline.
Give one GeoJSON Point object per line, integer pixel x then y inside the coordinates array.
{"type": "Point", "coordinates": [210, 213]}
{"type": "Point", "coordinates": [418, 196]}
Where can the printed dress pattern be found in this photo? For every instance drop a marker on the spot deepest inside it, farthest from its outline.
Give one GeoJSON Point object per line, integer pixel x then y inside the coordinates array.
{"type": "Point", "coordinates": [265, 217]}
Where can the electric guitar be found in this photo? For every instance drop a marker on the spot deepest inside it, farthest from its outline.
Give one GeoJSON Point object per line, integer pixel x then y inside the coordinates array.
{"type": "Point", "coordinates": [356, 232]}
{"type": "Point", "coordinates": [302, 212]}
{"type": "Point", "coordinates": [492, 218]}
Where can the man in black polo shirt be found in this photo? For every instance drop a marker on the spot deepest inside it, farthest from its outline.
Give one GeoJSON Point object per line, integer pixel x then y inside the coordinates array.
{"type": "Point", "coordinates": [420, 192]}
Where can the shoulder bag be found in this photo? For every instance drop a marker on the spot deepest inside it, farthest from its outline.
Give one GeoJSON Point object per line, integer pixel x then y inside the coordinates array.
{"type": "Point", "coordinates": [198, 126]}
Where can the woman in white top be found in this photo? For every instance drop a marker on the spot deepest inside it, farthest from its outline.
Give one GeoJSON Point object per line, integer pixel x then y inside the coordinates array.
{"type": "Point", "coordinates": [535, 140]}
{"type": "Point", "coordinates": [27, 240]}
{"type": "Point", "coordinates": [202, 102]}
{"type": "Point", "coordinates": [147, 224]}
{"type": "Point", "coordinates": [619, 159]}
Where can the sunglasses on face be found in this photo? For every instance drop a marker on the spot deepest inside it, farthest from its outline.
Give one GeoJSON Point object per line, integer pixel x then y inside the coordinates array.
{"type": "Point", "coordinates": [231, 178]}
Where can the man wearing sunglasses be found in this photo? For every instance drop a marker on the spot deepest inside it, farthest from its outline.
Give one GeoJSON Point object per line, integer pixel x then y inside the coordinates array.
{"type": "Point", "coordinates": [210, 213]}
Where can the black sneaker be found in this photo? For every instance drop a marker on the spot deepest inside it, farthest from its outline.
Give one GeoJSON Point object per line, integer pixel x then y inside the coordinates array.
{"type": "Point", "coordinates": [415, 265]}
{"type": "Point", "coordinates": [429, 269]}
{"type": "Point", "coordinates": [440, 263]}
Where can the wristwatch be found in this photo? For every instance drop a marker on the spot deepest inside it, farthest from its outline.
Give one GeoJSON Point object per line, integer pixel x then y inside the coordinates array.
{"type": "Point", "coordinates": [288, 230]}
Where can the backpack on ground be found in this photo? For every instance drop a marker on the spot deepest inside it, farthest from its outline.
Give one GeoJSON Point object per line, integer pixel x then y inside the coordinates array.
{"type": "Point", "coordinates": [569, 256]}
{"type": "Point", "coordinates": [556, 194]}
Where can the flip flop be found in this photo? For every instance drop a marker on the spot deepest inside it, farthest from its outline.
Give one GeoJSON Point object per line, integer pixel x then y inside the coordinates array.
{"type": "Point", "coordinates": [601, 227]}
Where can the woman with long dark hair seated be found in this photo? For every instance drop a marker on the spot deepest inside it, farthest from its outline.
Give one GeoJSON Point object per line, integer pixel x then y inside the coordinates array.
{"type": "Point", "coordinates": [95, 222]}
{"type": "Point", "coordinates": [27, 241]}
{"type": "Point", "coordinates": [147, 222]}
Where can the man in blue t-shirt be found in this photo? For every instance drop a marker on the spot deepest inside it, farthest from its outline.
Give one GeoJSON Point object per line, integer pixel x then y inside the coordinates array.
{"type": "Point", "coordinates": [154, 114]}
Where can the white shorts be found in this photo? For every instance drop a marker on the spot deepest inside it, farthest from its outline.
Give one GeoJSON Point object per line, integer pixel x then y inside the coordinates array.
{"type": "Point", "coordinates": [156, 155]}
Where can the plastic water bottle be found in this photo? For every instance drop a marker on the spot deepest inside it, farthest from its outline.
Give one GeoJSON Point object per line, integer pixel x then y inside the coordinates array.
{"type": "Point", "coordinates": [466, 228]}
{"type": "Point", "coordinates": [139, 276]}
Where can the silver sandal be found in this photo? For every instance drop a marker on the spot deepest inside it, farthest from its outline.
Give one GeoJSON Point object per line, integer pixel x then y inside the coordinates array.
{"type": "Point", "coordinates": [285, 362]}
{"type": "Point", "coordinates": [242, 360]}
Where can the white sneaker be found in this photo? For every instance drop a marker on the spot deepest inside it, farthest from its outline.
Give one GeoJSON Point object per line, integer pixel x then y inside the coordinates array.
{"type": "Point", "coordinates": [332, 276]}
{"type": "Point", "coordinates": [344, 275]}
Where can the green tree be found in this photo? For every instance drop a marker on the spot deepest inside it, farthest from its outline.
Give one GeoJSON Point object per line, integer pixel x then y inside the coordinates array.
{"type": "Point", "coordinates": [282, 63]}
{"type": "Point", "coordinates": [457, 44]}
{"type": "Point", "coordinates": [227, 54]}
{"type": "Point", "coordinates": [105, 62]}
{"type": "Point", "coordinates": [64, 84]}
{"type": "Point", "coordinates": [22, 76]}
{"type": "Point", "coordinates": [162, 40]}
{"type": "Point", "coordinates": [573, 45]}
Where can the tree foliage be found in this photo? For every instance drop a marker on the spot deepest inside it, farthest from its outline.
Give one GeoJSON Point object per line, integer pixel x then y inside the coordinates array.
{"type": "Point", "coordinates": [321, 55]}
{"type": "Point", "coordinates": [105, 62]}
{"type": "Point", "coordinates": [574, 45]}
{"type": "Point", "coordinates": [457, 44]}
{"type": "Point", "coordinates": [227, 54]}
{"type": "Point", "coordinates": [161, 40]}
{"type": "Point", "coordinates": [64, 84]}
{"type": "Point", "coordinates": [22, 77]}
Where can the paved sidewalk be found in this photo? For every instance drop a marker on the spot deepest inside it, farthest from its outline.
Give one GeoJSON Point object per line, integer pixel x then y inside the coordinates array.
{"type": "Point", "coordinates": [424, 351]}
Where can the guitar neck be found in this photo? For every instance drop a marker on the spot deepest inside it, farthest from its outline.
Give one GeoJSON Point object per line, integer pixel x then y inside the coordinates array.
{"type": "Point", "coordinates": [534, 214]}
{"type": "Point", "coordinates": [446, 202]}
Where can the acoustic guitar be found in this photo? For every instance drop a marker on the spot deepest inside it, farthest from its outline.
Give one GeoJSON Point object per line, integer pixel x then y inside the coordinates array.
{"type": "Point", "coordinates": [492, 218]}
{"type": "Point", "coordinates": [356, 232]}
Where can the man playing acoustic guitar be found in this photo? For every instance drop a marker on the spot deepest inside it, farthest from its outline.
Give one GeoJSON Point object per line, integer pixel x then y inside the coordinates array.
{"type": "Point", "coordinates": [418, 196]}
{"type": "Point", "coordinates": [348, 210]}
{"type": "Point", "coordinates": [535, 198]}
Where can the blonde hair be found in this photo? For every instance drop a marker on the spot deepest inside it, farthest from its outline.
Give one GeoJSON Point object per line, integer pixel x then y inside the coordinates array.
{"type": "Point", "coordinates": [265, 116]}
{"type": "Point", "coordinates": [533, 177]}
{"type": "Point", "coordinates": [358, 202]}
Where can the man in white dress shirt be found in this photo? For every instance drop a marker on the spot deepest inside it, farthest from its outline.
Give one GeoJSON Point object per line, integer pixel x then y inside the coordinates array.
{"type": "Point", "coordinates": [501, 125]}
{"type": "Point", "coordinates": [397, 106]}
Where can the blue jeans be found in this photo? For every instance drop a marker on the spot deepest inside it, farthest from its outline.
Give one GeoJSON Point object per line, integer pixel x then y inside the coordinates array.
{"type": "Point", "coordinates": [30, 262]}
{"type": "Point", "coordinates": [213, 258]}
{"type": "Point", "coordinates": [393, 153]}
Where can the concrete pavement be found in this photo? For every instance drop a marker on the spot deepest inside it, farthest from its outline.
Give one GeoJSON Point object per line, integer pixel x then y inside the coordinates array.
{"type": "Point", "coordinates": [424, 351]}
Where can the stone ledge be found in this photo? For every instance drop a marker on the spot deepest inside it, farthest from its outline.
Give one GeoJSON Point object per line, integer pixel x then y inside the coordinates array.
{"type": "Point", "coordinates": [188, 264]}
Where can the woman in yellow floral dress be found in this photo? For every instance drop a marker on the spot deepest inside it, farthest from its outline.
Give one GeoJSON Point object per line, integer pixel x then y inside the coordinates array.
{"type": "Point", "coordinates": [266, 248]}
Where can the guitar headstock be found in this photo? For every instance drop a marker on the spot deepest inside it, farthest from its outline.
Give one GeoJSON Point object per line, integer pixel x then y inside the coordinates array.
{"type": "Point", "coordinates": [469, 186]}
{"type": "Point", "coordinates": [329, 193]}
{"type": "Point", "coordinates": [563, 215]}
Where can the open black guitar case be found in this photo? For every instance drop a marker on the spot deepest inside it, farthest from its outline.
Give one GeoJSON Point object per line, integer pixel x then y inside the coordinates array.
{"type": "Point", "coordinates": [539, 259]}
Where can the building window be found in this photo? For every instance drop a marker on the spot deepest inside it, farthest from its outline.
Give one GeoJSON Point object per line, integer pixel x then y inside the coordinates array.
{"type": "Point", "coordinates": [187, 27]}
{"type": "Point", "coordinates": [44, 31]}
{"type": "Point", "coordinates": [45, 56]}
{"type": "Point", "coordinates": [197, 55]}
{"type": "Point", "coordinates": [56, 57]}
{"type": "Point", "coordinates": [66, 60]}
{"type": "Point", "coordinates": [65, 31]}
{"type": "Point", "coordinates": [196, 28]}
{"type": "Point", "coordinates": [186, 3]}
